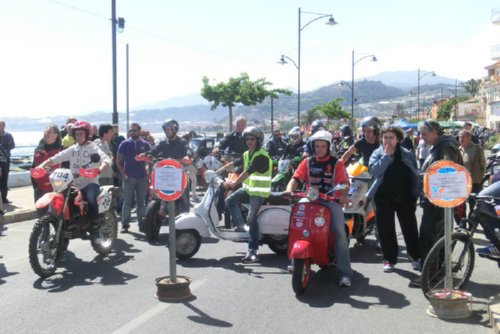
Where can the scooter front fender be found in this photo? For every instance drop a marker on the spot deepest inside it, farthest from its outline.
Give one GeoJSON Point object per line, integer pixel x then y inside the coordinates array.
{"type": "Point", "coordinates": [192, 221]}
{"type": "Point", "coordinates": [302, 249]}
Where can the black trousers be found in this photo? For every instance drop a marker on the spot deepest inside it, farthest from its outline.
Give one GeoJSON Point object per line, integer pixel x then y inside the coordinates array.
{"type": "Point", "coordinates": [4, 179]}
{"type": "Point", "coordinates": [385, 212]}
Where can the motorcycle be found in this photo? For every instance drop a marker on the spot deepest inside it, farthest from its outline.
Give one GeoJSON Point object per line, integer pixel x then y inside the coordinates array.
{"type": "Point", "coordinates": [359, 212]}
{"type": "Point", "coordinates": [286, 167]}
{"type": "Point", "coordinates": [492, 167]}
{"type": "Point", "coordinates": [204, 219]}
{"type": "Point", "coordinates": [309, 240]}
{"type": "Point", "coordinates": [67, 219]}
{"type": "Point", "coordinates": [156, 210]}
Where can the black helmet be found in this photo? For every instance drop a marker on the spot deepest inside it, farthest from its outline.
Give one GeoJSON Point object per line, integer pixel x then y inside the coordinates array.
{"type": "Point", "coordinates": [346, 131]}
{"type": "Point", "coordinates": [371, 122]}
{"type": "Point", "coordinates": [256, 132]}
{"type": "Point", "coordinates": [317, 125]}
{"type": "Point", "coordinates": [171, 123]}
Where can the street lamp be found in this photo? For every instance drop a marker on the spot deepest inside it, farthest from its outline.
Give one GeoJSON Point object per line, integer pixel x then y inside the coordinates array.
{"type": "Point", "coordinates": [354, 62]}
{"type": "Point", "coordinates": [424, 73]}
{"type": "Point", "coordinates": [331, 21]}
{"type": "Point", "coordinates": [120, 22]}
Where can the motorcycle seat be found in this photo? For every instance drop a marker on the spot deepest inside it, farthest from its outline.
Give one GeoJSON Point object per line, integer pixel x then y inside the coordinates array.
{"type": "Point", "coordinates": [276, 199]}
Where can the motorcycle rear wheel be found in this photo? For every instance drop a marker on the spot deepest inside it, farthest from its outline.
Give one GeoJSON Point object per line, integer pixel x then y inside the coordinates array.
{"type": "Point", "coordinates": [152, 221]}
{"type": "Point", "coordinates": [43, 247]}
{"type": "Point", "coordinates": [103, 239]}
{"type": "Point", "coordinates": [187, 243]}
{"type": "Point", "coordinates": [301, 269]}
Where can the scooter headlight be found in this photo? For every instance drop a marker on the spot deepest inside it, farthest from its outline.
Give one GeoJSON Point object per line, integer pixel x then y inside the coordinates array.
{"type": "Point", "coordinates": [319, 221]}
{"type": "Point", "coordinates": [306, 233]}
{"type": "Point", "coordinates": [312, 194]}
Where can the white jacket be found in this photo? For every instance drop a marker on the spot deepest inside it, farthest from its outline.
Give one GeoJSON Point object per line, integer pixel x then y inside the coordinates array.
{"type": "Point", "coordinates": [79, 157]}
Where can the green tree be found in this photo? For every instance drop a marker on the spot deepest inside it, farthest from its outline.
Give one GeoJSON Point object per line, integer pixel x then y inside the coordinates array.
{"type": "Point", "coordinates": [309, 116]}
{"type": "Point", "coordinates": [472, 86]}
{"type": "Point", "coordinates": [332, 110]}
{"type": "Point", "coordinates": [240, 90]}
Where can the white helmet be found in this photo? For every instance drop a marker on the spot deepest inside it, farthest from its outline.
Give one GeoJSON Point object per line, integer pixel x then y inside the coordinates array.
{"type": "Point", "coordinates": [295, 131]}
{"type": "Point", "coordinates": [321, 135]}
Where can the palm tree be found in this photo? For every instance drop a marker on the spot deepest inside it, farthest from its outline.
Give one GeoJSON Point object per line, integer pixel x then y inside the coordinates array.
{"type": "Point", "coordinates": [472, 86]}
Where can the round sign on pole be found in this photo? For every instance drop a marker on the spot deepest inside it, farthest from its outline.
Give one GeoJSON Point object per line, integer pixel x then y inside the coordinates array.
{"type": "Point", "coordinates": [169, 180]}
{"type": "Point", "coordinates": [447, 184]}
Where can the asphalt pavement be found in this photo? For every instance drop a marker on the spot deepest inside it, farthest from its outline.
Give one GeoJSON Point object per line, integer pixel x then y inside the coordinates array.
{"type": "Point", "coordinates": [22, 209]}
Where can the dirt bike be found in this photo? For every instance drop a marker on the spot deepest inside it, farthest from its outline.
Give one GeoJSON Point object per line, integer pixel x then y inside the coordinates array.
{"type": "Point", "coordinates": [67, 219]}
{"type": "Point", "coordinates": [286, 167]}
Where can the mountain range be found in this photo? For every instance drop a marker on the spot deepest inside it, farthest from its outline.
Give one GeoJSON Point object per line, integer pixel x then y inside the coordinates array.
{"type": "Point", "coordinates": [193, 111]}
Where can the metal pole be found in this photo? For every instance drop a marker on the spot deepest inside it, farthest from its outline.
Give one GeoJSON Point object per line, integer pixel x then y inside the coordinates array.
{"type": "Point", "coordinates": [418, 96]}
{"type": "Point", "coordinates": [128, 114]}
{"type": "Point", "coordinates": [298, 78]}
{"type": "Point", "coordinates": [448, 221]}
{"type": "Point", "coordinates": [352, 93]}
{"type": "Point", "coordinates": [272, 114]}
{"type": "Point", "coordinates": [113, 46]}
{"type": "Point", "coordinates": [171, 240]}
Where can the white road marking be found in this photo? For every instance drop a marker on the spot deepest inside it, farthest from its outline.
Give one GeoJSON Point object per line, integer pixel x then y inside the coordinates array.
{"type": "Point", "coordinates": [152, 312]}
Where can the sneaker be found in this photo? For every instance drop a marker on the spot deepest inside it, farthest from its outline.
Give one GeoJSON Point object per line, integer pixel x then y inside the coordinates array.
{"type": "Point", "coordinates": [388, 267]}
{"type": "Point", "coordinates": [415, 264]}
{"type": "Point", "coordinates": [489, 251]}
{"type": "Point", "coordinates": [239, 229]}
{"type": "Point", "coordinates": [125, 228]}
{"type": "Point", "coordinates": [416, 282]}
{"type": "Point", "coordinates": [251, 257]}
{"type": "Point", "coordinates": [195, 200]}
{"type": "Point", "coordinates": [345, 281]}
{"type": "Point", "coordinates": [141, 227]}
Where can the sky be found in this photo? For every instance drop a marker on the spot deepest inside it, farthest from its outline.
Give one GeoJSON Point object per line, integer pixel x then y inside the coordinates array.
{"type": "Point", "coordinates": [56, 54]}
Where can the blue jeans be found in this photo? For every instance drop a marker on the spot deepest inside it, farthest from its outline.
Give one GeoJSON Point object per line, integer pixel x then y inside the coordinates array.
{"type": "Point", "coordinates": [233, 201]}
{"type": "Point", "coordinates": [337, 227]}
{"type": "Point", "coordinates": [90, 193]}
{"type": "Point", "coordinates": [134, 186]}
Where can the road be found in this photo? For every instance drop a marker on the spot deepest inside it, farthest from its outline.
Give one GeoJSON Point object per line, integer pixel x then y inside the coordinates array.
{"type": "Point", "coordinates": [115, 294]}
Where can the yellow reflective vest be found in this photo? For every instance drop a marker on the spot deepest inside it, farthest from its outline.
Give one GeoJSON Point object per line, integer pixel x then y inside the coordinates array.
{"type": "Point", "coordinates": [257, 184]}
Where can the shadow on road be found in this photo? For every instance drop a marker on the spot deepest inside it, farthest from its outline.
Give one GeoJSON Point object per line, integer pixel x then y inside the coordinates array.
{"type": "Point", "coordinates": [205, 319]}
{"type": "Point", "coordinates": [4, 273]}
{"type": "Point", "coordinates": [233, 263]}
{"type": "Point", "coordinates": [323, 291]}
{"type": "Point", "coordinates": [101, 270]}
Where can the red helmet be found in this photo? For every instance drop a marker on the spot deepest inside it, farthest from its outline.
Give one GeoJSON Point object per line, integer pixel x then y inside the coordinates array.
{"type": "Point", "coordinates": [82, 125]}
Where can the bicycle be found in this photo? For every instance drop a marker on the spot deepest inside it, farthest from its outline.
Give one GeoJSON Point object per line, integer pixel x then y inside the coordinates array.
{"type": "Point", "coordinates": [462, 245]}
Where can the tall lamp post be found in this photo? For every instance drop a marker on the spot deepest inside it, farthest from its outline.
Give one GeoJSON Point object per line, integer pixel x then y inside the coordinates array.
{"type": "Point", "coordinates": [120, 22]}
{"type": "Point", "coordinates": [331, 21]}
{"type": "Point", "coordinates": [354, 62]}
{"type": "Point", "coordinates": [420, 76]}
{"type": "Point", "coordinates": [283, 61]}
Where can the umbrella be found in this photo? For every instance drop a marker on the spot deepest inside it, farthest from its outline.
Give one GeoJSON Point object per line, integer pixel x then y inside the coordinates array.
{"type": "Point", "coordinates": [404, 124]}
{"type": "Point", "coordinates": [449, 125]}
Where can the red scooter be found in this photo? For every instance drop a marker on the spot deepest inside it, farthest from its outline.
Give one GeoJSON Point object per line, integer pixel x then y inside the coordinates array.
{"type": "Point", "coordinates": [309, 238]}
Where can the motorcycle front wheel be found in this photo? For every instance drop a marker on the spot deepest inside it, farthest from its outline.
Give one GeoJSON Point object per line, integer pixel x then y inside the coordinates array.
{"type": "Point", "coordinates": [301, 269]}
{"type": "Point", "coordinates": [103, 238]}
{"type": "Point", "coordinates": [152, 220]}
{"type": "Point", "coordinates": [462, 264]}
{"type": "Point", "coordinates": [43, 247]}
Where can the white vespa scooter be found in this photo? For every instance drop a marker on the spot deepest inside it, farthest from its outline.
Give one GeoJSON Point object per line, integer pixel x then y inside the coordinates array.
{"type": "Point", "coordinates": [203, 220]}
{"type": "Point", "coordinates": [359, 212]}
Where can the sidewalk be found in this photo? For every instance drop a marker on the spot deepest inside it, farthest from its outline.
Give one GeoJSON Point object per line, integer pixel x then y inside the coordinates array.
{"type": "Point", "coordinates": [22, 206]}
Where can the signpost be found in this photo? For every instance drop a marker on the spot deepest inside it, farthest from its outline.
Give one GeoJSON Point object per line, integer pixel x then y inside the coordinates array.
{"type": "Point", "coordinates": [447, 185]}
{"type": "Point", "coordinates": [169, 183]}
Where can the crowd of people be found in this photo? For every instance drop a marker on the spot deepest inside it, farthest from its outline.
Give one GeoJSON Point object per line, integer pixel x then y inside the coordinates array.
{"type": "Point", "coordinates": [394, 157]}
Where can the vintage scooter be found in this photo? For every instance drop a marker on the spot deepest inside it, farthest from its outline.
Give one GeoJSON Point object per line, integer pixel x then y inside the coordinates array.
{"type": "Point", "coordinates": [309, 240]}
{"type": "Point", "coordinates": [359, 212]}
{"type": "Point", "coordinates": [204, 220]}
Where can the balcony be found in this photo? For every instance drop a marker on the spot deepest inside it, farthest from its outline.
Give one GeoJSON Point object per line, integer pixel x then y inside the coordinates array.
{"type": "Point", "coordinates": [495, 16]}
